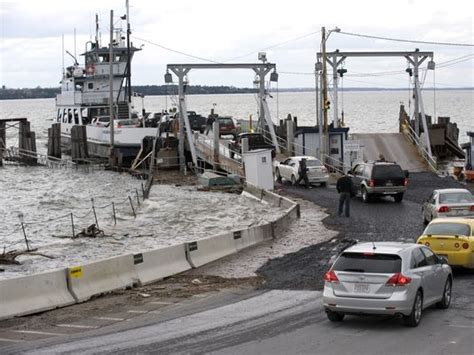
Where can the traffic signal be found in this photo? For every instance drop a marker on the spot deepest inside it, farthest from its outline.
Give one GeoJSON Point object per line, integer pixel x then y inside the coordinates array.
{"type": "Point", "coordinates": [327, 105]}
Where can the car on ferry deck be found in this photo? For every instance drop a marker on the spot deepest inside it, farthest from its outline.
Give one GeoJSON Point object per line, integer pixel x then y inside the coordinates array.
{"type": "Point", "coordinates": [448, 203]}
{"type": "Point", "coordinates": [387, 278]}
{"type": "Point", "coordinates": [452, 238]}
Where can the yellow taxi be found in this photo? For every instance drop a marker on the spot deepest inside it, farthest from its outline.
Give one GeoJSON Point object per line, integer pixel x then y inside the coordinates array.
{"type": "Point", "coordinates": [452, 238]}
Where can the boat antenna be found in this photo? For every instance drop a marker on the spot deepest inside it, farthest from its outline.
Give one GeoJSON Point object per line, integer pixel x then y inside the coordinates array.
{"type": "Point", "coordinates": [75, 60]}
{"type": "Point", "coordinates": [129, 64]}
{"type": "Point", "coordinates": [373, 245]}
{"type": "Point", "coordinates": [63, 52]}
{"type": "Point", "coordinates": [97, 30]}
{"type": "Point", "coordinates": [75, 49]}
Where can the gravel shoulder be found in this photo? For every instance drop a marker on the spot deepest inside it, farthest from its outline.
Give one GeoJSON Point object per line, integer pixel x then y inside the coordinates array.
{"type": "Point", "coordinates": [382, 220]}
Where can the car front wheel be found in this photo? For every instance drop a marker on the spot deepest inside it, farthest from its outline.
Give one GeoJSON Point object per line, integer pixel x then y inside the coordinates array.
{"type": "Point", "coordinates": [414, 318]}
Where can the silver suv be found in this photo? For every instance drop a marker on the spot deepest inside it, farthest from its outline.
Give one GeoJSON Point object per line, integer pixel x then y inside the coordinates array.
{"type": "Point", "coordinates": [373, 179]}
{"type": "Point", "coordinates": [389, 278]}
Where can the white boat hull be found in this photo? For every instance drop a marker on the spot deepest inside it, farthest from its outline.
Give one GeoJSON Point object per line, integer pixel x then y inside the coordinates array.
{"type": "Point", "coordinates": [126, 140]}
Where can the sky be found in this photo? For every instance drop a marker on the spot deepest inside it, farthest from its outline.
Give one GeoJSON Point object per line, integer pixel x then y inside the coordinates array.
{"type": "Point", "coordinates": [235, 31]}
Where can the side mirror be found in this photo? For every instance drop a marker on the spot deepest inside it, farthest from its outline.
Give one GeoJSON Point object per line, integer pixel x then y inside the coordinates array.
{"type": "Point", "coordinates": [442, 259]}
{"type": "Point", "coordinates": [407, 173]}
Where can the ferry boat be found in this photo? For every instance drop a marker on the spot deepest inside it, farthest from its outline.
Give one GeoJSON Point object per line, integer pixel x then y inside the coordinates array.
{"type": "Point", "coordinates": [85, 95]}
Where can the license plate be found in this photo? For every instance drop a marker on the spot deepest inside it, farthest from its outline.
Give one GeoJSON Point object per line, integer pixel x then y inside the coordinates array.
{"type": "Point", "coordinates": [463, 212]}
{"type": "Point", "coordinates": [361, 288]}
{"type": "Point", "coordinates": [389, 184]}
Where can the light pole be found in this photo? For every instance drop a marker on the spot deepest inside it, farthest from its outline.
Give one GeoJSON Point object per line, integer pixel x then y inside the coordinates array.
{"type": "Point", "coordinates": [325, 103]}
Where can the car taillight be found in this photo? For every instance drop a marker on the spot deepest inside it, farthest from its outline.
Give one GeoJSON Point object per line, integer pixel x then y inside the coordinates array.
{"type": "Point", "coordinates": [330, 276]}
{"type": "Point", "coordinates": [398, 280]}
{"type": "Point", "coordinates": [456, 245]}
{"type": "Point", "coordinates": [465, 245]}
{"type": "Point", "coordinates": [443, 209]}
{"type": "Point", "coordinates": [405, 182]}
{"type": "Point", "coordinates": [371, 183]}
{"type": "Point", "coordinates": [427, 244]}
{"type": "Point", "coordinates": [472, 208]}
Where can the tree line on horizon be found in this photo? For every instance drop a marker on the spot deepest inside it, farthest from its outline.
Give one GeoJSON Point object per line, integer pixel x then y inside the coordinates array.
{"type": "Point", "coordinates": [146, 90]}
{"type": "Point", "coordinates": [160, 90]}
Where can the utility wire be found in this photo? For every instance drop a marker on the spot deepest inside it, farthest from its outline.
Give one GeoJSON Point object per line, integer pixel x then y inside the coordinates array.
{"type": "Point", "coordinates": [274, 46]}
{"type": "Point", "coordinates": [176, 51]}
{"type": "Point", "coordinates": [407, 40]}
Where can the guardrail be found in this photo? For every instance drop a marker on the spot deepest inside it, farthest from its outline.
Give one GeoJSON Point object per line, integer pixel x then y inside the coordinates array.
{"type": "Point", "coordinates": [40, 292]}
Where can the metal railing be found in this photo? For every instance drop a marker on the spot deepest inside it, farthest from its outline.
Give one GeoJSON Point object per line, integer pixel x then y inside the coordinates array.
{"type": "Point", "coordinates": [413, 137]}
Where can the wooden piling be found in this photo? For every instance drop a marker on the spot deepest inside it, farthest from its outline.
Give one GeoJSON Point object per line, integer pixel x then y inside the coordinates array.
{"type": "Point", "coordinates": [27, 143]}
{"type": "Point", "coordinates": [79, 151]}
{"type": "Point", "coordinates": [54, 140]}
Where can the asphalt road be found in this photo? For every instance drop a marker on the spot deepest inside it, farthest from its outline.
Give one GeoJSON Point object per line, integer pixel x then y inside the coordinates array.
{"type": "Point", "coordinates": [273, 322]}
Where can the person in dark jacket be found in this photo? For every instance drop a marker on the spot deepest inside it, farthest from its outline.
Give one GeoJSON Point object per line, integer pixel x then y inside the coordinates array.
{"type": "Point", "coordinates": [345, 187]}
{"type": "Point", "coordinates": [303, 173]}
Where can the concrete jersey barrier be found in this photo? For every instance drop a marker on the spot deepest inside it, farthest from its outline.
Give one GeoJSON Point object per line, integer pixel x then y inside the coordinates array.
{"type": "Point", "coordinates": [34, 293]}
{"type": "Point", "coordinates": [40, 292]}
{"type": "Point", "coordinates": [101, 276]}
{"type": "Point", "coordinates": [253, 236]}
{"type": "Point", "coordinates": [160, 263]}
{"type": "Point", "coordinates": [204, 251]}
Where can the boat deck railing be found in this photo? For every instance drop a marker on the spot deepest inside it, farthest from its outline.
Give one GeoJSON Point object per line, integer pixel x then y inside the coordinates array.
{"type": "Point", "coordinates": [34, 158]}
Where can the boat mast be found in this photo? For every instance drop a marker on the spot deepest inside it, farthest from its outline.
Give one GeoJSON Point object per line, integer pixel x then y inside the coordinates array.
{"type": "Point", "coordinates": [111, 89]}
{"type": "Point", "coordinates": [129, 67]}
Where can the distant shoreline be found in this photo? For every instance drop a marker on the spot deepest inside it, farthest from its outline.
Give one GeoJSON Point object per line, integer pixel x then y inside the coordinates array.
{"type": "Point", "coordinates": [164, 90]}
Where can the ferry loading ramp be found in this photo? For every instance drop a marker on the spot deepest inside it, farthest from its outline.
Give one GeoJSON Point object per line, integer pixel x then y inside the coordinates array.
{"type": "Point", "coordinates": [394, 147]}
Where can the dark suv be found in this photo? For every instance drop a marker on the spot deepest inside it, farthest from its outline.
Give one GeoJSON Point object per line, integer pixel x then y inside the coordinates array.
{"type": "Point", "coordinates": [379, 178]}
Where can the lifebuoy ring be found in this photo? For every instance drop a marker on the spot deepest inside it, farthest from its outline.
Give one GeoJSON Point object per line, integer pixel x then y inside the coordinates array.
{"type": "Point", "coordinates": [90, 69]}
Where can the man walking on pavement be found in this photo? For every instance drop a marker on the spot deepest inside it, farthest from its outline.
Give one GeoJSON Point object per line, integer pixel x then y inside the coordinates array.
{"type": "Point", "coordinates": [345, 187]}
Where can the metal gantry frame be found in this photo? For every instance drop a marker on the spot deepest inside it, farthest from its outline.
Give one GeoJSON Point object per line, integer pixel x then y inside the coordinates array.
{"type": "Point", "coordinates": [181, 70]}
{"type": "Point", "coordinates": [416, 58]}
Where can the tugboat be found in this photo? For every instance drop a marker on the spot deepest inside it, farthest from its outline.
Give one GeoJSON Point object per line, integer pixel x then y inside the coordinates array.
{"type": "Point", "coordinates": [85, 99]}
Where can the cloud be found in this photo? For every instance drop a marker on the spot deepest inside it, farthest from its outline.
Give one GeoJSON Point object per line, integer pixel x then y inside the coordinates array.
{"type": "Point", "coordinates": [222, 30]}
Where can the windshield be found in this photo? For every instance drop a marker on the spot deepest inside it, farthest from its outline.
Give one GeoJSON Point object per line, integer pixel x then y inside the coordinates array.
{"type": "Point", "coordinates": [388, 172]}
{"type": "Point", "coordinates": [226, 121]}
{"type": "Point", "coordinates": [368, 262]}
{"type": "Point", "coordinates": [448, 229]}
{"type": "Point", "coordinates": [255, 139]}
{"type": "Point", "coordinates": [313, 162]}
{"type": "Point", "coordinates": [456, 197]}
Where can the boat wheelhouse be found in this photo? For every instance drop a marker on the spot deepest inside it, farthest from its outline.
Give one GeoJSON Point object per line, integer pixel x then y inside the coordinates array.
{"type": "Point", "coordinates": [85, 96]}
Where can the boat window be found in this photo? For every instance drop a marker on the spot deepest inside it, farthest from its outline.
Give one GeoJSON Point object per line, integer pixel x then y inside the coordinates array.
{"type": "Point", "coordinates": [64, 116]}
{"type": "Point", "coordinates": [69, 116]}
{"type": "Point", "coordinates": [59, 116]}
{"type": "Point", "coordinates": [103, 58]}
{"type": "Point", "coordinates": [76, 116]}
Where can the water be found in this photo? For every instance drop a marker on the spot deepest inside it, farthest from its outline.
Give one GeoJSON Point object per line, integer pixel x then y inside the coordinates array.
{"type": "Point", "coordinates": [47, 197]}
